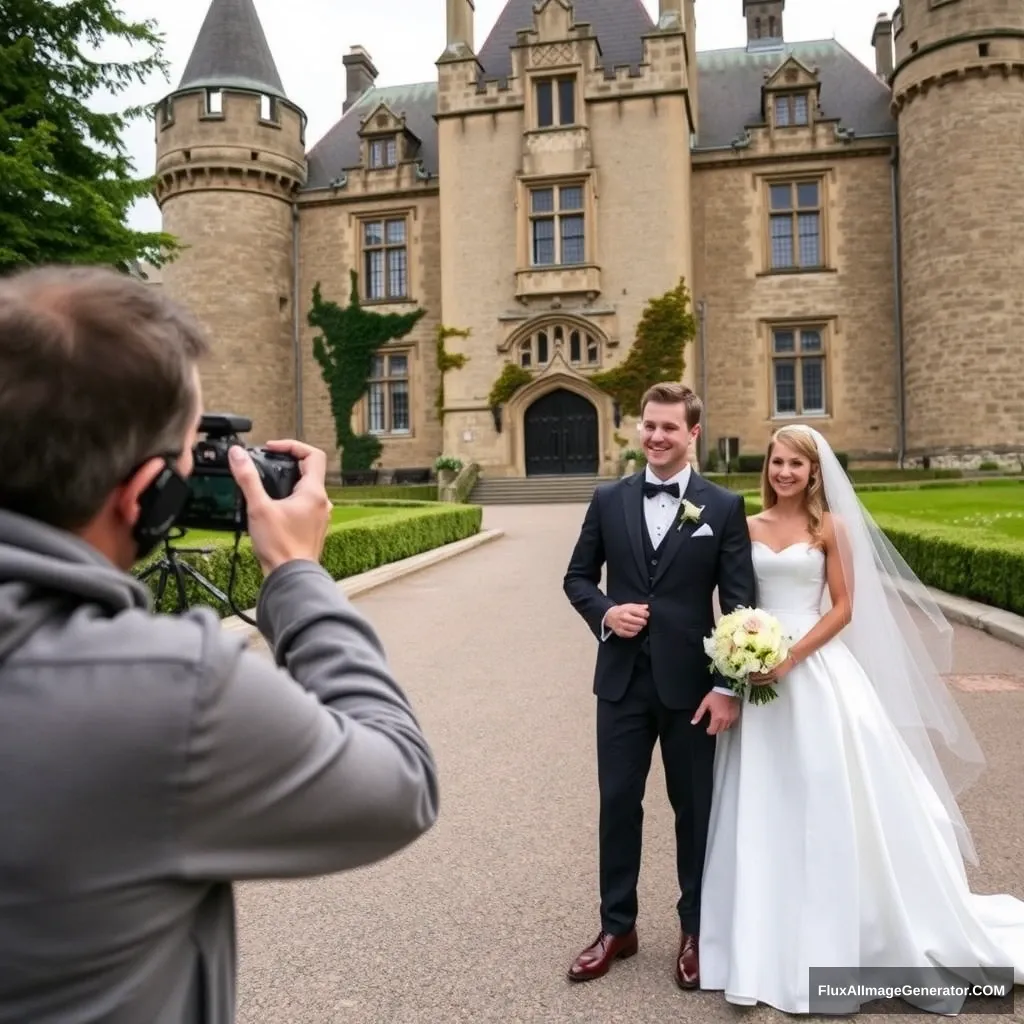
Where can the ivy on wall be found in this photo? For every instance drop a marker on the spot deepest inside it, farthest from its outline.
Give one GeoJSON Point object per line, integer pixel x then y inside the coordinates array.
{"type": "Point", "coordinates": [447, 361]}
{"type": "Point", "coordinates": [345, 348]}
{"type": "Point", "coordinates": [666, 327]}
{"type": "Point", "coordinates": [510, 380]}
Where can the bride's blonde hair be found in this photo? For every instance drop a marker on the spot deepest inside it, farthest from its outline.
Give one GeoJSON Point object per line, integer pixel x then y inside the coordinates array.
{"type": "Point", "coordinates": [801, 442]}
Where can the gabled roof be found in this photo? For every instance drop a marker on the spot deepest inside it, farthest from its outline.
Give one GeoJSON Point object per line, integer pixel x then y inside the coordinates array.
{"type": "Point", "coordinates": [232, 50]}
{"type": "Point", "coordinates": [340, 149]}
{"type": "Point", "coordinates": [618, 25]}
{"type": "Point", "coordinates": [730, 83]}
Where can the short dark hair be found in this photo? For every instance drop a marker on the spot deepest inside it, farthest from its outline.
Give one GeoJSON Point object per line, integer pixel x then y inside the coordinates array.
{"type": "Point", "coordinates": [96, 376]}
{"type": "Point", "coordinates": [673, 393]}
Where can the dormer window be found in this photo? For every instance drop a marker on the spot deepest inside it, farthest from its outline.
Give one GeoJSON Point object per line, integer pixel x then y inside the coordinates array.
{"type": "Point", "coordinates": [384, 152]}
{"type": "Point", "coordinates": [791, 110]}
{"type": "Point", "coordinates": [214, 102]}
{"type": "Point", "coordinates": [556, 102]}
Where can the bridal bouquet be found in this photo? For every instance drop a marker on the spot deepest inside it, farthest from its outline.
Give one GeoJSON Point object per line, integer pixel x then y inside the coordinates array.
{"type": "Point", "coordinates": [746, 641]}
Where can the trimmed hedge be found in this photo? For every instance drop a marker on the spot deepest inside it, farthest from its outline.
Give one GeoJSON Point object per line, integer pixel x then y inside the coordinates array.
{"type": "Point", "coordinates": [952, 559]}
{"type": "Point", "coordinates": [398, 492]}
{"type": "Point", "coordinates": [350, 548]}
{"type": "Point", "coordinates": [860, 477]}
{"type": "Point", "coordinates": [956, 561]}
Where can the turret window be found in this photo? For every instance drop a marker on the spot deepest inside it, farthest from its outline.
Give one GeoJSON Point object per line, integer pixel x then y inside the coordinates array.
{"type": "Point", "coordinates": [214, 102]}
{"type": "Point", "coordinates": [268, 108]}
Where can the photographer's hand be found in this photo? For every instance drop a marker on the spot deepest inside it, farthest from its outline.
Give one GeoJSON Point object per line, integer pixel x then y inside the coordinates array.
{"type": "Point", "coordinates": [295, 527]}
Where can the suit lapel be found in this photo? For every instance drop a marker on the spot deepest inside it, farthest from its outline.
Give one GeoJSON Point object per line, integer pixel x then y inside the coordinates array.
{"type": "Point", "coordinates": [633, 510]}
{"type": "Point", "coordinates": [678, 534]}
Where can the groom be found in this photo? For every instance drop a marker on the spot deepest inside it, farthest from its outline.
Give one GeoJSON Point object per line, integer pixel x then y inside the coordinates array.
{"type": "Point", "coordinates": [668, 539]}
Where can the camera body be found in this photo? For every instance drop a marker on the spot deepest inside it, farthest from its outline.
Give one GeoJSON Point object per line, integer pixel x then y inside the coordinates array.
{"type": "Point", "coordinates": [214, 500]}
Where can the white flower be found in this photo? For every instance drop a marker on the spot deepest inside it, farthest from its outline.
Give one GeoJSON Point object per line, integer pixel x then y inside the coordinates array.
{"type": "Point", "coordinates": [689, 513]}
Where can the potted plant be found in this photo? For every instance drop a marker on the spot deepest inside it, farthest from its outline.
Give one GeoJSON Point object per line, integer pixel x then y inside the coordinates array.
{"type": "Point", "coordinates": [448, 468]}
{"type": "Point", "coordinates": [632, 460]}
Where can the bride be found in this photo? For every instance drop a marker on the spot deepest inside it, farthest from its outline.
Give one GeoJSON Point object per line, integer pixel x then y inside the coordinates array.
{"type": "Point", "coordinates": [835, 837]}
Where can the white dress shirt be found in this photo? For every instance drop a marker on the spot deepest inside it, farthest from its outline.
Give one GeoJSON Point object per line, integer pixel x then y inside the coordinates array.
{"type": "Point", "coordinates": [661, 510]}
{"type": "Point", "coordinates": [660, 513]}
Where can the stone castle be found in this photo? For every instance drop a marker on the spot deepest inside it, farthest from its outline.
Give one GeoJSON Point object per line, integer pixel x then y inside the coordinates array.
{"type": "Point", "coordinates": [850, 236]}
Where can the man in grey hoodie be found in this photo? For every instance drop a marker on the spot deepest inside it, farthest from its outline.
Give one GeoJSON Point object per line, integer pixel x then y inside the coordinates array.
{"type": "Point", "coordinates": [148, 761]}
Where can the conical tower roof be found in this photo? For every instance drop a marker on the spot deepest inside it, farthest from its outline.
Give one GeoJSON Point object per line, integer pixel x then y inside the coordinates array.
{"type": "Point", "coordinates": [232, 50]}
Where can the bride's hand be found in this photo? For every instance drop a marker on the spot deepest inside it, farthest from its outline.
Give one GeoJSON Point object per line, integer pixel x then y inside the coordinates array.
{"type": "Point", "coordinates": [772, 675]}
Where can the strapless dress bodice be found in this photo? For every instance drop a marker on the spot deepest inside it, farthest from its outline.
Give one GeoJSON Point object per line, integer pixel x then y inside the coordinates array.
{"type": "Point", "coordinates": [790, 582]}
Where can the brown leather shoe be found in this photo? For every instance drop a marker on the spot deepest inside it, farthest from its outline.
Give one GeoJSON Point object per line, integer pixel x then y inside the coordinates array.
{"type": "Point", "coordinates": [688, 963]}
{"type": "Point", "coordinates": [597, 959]}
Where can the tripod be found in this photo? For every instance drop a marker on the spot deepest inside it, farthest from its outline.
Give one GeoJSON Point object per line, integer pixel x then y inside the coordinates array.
{"type": "Point", "coordinates": [169, 566]}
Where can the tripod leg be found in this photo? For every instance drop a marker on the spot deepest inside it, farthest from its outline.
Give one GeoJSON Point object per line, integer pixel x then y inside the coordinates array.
{"type": "Point", "coordinates": [161, 586]}
{"type": "Point", "coordinates": [204, 583]}
{"type": "Point", "coordinates": [179, 577]}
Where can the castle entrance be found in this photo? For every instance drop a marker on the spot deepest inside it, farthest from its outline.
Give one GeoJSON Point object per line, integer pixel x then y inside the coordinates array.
{"type": "Point", "coordinates": [561, 436]}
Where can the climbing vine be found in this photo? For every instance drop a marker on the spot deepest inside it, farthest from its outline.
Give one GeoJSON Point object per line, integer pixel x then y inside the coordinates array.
{"type": "Point", "coordinates": [447, 361]}
{"type": "Point", "coordinates": [665, 328]}
{"type": "Point", "coordinates": [344, 348]}
{"type": "Point", "coordinates": [510, 380]}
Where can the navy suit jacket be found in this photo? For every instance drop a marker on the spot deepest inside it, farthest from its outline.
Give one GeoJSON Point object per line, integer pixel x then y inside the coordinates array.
{"type": "Point", "coordinates": [679, 590]}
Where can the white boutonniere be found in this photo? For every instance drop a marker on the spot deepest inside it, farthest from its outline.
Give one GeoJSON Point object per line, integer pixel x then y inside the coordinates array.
{"type": "Point", "coordinates": [689, 513]}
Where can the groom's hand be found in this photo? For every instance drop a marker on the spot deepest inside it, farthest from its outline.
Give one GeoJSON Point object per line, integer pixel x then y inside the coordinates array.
{"type": "Point", "coordinates": [626, 620]}
{"type": "Point", "coordinates": [723, 710]}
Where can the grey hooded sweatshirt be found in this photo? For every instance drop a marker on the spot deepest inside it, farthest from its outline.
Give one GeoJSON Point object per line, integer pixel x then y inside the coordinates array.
{"type": "Point", "coordinates": [147, 761]}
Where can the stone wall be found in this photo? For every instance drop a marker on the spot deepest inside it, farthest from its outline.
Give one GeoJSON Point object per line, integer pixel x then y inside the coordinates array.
{"type": "Point", "coordinates": [851, 299]}
{"type": "Point", "coordinates": [959, 94]}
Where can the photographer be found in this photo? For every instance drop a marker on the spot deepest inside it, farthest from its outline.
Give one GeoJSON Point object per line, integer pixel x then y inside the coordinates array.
{"type": "Point", "coordinates": [148, 761]}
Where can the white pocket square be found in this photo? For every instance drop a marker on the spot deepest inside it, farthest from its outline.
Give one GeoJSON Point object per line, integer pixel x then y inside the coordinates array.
{"type": "Point", "coordinates": [704, 531]}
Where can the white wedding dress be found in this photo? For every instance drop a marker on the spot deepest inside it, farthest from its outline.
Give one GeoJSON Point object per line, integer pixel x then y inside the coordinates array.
{"type": "Point", "coordinates": [827, 846]}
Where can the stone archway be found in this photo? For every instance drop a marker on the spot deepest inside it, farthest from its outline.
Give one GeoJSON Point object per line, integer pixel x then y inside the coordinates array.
{"type": "Point", "coordinates": [561, 435]}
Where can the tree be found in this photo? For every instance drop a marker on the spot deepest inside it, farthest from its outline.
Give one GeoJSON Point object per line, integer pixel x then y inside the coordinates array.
{"type": "Point", "coordinates": [344, 348]}
{"type": "Point", "coordinates": [66, 179]}
{"type": "Point", "coordinates": [666, 327]}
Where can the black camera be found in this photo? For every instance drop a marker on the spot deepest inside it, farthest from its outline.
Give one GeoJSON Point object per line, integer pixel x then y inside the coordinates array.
{"type": "Point", "coordinates": [214, 500]}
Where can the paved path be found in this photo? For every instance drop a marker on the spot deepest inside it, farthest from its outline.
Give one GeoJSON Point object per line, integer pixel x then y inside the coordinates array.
{"type": "Point", "coordinates": [479, 920]}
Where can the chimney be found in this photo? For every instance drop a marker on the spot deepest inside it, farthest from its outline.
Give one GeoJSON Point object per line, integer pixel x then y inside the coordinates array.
{"type": "Point", "coordinates": [881, 40]}
{"type": "Point", "coordinates": [670, 14]}
{"type": "Point", "coordinates": [360, 74]}
{"type": "Point", "coordinates": [460, 26]}
{"type": "Point", "coordinates": [764, 21]}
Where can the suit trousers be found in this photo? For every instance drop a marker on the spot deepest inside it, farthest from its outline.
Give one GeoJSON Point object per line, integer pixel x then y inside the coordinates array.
{"type": "Point", "coordinates": [626, 732]}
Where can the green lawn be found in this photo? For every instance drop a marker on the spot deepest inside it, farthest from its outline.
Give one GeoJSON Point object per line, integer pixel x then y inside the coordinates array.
{"type": "Point", "coordinates": [996, 512]}
{"type": "Point", "coordinates": [340, 514]}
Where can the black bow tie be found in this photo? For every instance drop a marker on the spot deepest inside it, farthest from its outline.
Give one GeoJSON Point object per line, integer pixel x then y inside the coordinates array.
{"type": "Point", "coordinates": [652, 490]}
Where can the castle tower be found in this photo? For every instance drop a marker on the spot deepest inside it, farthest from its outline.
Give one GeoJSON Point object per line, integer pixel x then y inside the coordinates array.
{"type": "Point", "coordinates": [575, 119]}
{"type": "Point", "coordinates": [230, 161]}
{"type": "Point", "coordinates": [958, 94]}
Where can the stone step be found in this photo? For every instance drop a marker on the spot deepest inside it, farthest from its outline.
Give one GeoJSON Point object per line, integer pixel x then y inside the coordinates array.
{"type": "Point", "coordinates": [535, 490]}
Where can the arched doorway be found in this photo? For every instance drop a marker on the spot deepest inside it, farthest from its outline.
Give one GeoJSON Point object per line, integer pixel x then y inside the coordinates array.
{"type": "Point", "coordinates": [560, 435]}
